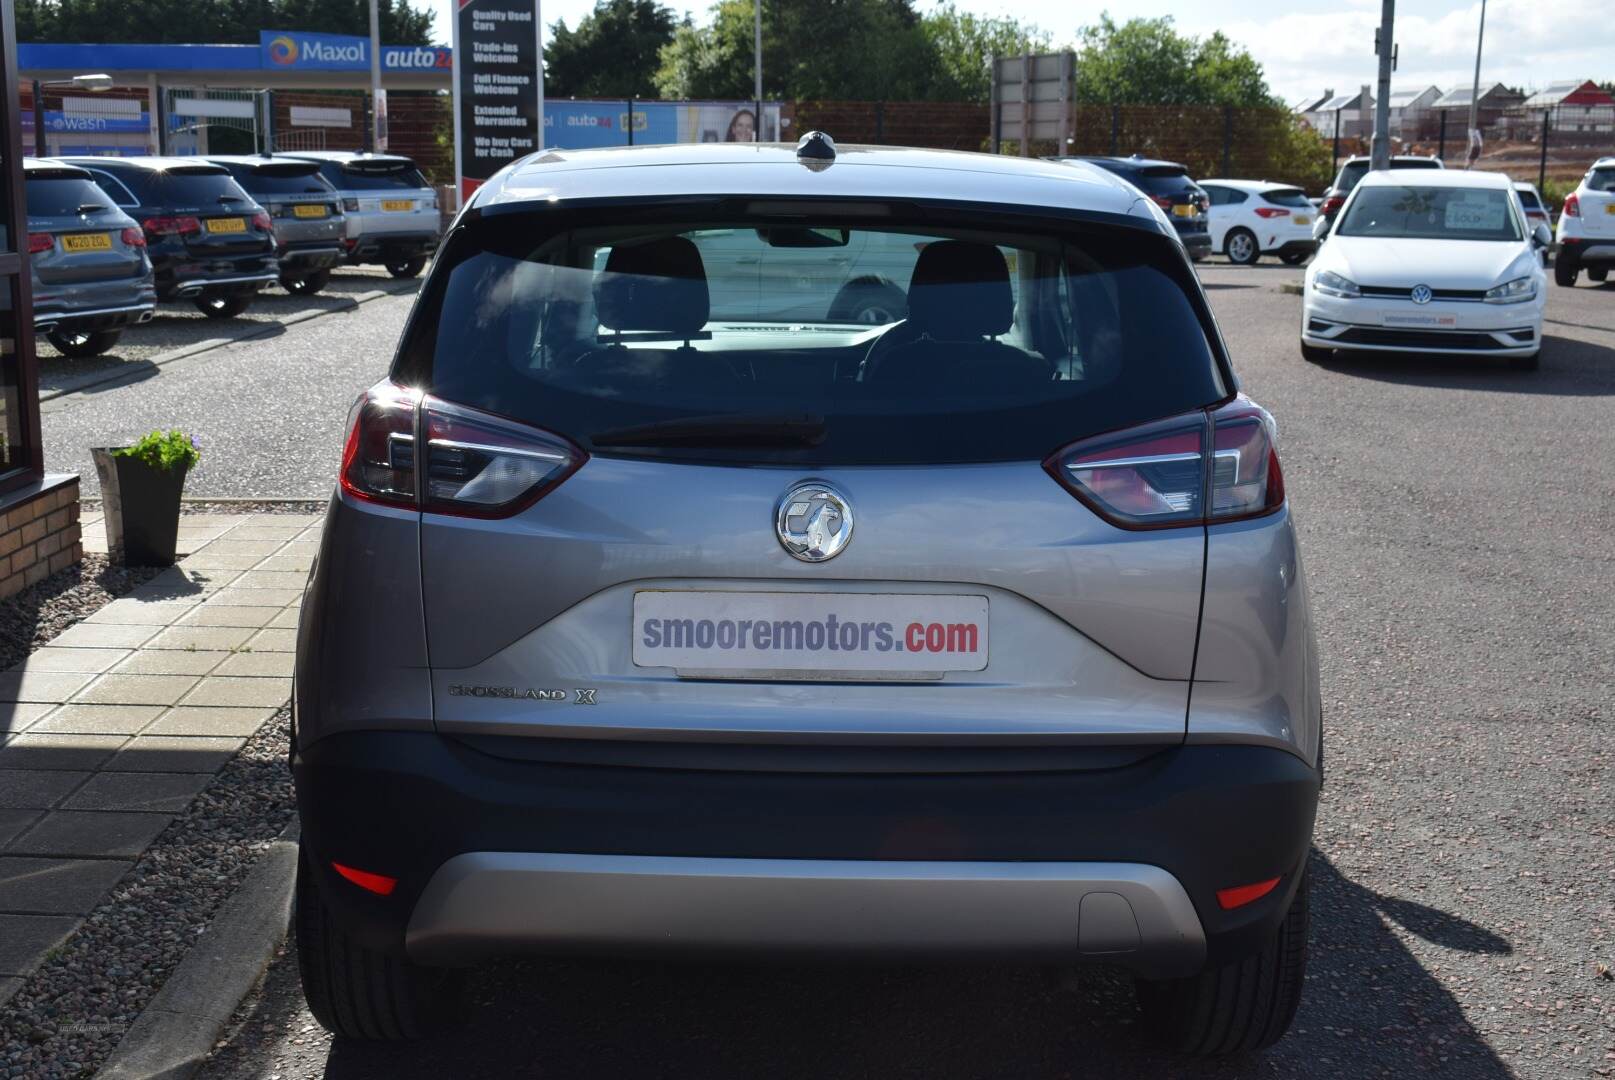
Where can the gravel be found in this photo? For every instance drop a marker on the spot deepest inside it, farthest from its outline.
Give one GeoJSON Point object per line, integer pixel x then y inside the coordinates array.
{"type": "Point", "coordinates": [43, 610]}
{"type": "Point", "coordinates": [72, 1012]}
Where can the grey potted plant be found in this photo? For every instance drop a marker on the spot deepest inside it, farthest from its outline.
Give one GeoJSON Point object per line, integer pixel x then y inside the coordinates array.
{"type": "Point", "coordinates": [141, 487]}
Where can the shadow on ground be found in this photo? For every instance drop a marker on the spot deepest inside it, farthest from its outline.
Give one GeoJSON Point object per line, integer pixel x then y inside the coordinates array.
{"type": "Point", "coordinates": [1569, 368]}
{"type": "Point", "coordinates": [1371, 1009]}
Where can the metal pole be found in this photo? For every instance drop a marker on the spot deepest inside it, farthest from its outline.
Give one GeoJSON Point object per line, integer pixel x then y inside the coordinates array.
{"type": "Point", "coordinates": [1227, 138]}
{"type": "Point", "coordinates": [1380, 148]}
{"type": "Point", "coordinates": [378, 137]}
{"type": "Point", "coordinates": [1442, 150]}
{"type": "Point", "coordinates": [538, 76]}
{"type": "Point", "coordinates": [757, 67]}
{"type": "Point", "coordinates": [1474, 92]}
{"type": "Point", "coordinates": [992, 114]}
{"type": "Point", "coordinates": [39, 119]}
{"type": "Point", "coordinates": [1335, 164]}
{"type": "Point", "coordinates": [630, 120]}
{"type": "Point", "coordinates": [1542, 169]}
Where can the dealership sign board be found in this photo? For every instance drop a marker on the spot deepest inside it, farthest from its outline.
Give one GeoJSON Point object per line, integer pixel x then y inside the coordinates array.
{"type": "Point", "coordinates": [300, 50]}
{"type": "Point", "coordinates": [498, 88]}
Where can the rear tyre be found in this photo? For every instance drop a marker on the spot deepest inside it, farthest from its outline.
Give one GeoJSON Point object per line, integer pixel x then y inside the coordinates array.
{"type": "Point", "coordinates": [406, 268]}
{"type": "Point", "coordinates": [1313, 354]}
{"type": "Point", "coordinates": [357, 992]}
{"type": "Point", "coordinates": [307, 284]}
{"type": "Point", "coordinates": [870, 300]}
{"type": "Point", "coordinates": [1294, 258]}
{"type": "Point", "coordinates": [223, 307]}
{"type": "Point", "coordinates": [1241, 247]}
{"type": "Point", "coordinates": [1244, 1006]}
{"type": "Point", "coordinates": [82, 344]}
{"type": "Point", "coordinates": [1598, 273]}
{"type": "Point", "coordinates": [1564, 271]}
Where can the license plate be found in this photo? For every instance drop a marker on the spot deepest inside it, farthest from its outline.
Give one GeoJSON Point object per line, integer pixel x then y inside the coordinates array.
{"type": "Point", "coordinates": [227, 225]}
{"type": "Point", "coordinates": [1438, 322]}
{"type": "Point", "coordinates": [1184, 210]}
{"type": "Point", "coordinates": [808, 635]}
{"type": "Point", "coordinates": [95, 241]}
{"type": "Point", "coordinates": [1609, 207]}
{"type": "Point", "coordinates": [398, 204]}
{"type": "Point", "coordinates": [308, 210]}
{"type": "Point", "coordinates": [1303, 220]}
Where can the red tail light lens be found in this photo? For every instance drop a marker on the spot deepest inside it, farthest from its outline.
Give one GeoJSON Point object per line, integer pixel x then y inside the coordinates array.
{"type": "Point", "coordinates": [171, 226]}
{"type": "Point", "coordinates": [1572, 205]}
{"type": "Point", "coordinates": [1333, 203]}
{"type": "Point", "coordinates": [477, 464]}
{"type": "Point", "coordinates": [378, 462]}
{"type": "Point", "coordinates": [40, 242]}
{"type": "Point", "coordinates": [1271, 212]}
{"type": "Point", "coordinates": [1163, 201]}
{"type": "Point", "coordinates": [380, 884]}
{"type": "Point", "coordinates": [133, 238]}
{"type": "Point", "coordinates": [1240, 895]}
{"type": "Point", "coordinates": [1157, 476]}
{"type": "Point", "coordinates": [261, 222]}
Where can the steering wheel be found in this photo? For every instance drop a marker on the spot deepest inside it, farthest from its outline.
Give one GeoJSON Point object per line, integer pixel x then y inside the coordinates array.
{"type": "Point", "coordinates": [899, 333]}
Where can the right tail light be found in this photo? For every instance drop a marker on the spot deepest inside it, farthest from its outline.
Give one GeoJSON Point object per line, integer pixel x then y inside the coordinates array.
{"type": "Point", "coordinates": [476, 464]}
{"type": "Point", "coordinates": [1200, 468]}
{"type": "Point", "coordinates": [184, 225]}
{"type": "Point", "coordinates": [1332, 203]}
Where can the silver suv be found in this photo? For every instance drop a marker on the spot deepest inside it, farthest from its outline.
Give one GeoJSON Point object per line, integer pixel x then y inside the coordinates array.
{"type": "Point", "coordinates": [647, 618]}
{"type": "Point", "coordinates": [391, 211]}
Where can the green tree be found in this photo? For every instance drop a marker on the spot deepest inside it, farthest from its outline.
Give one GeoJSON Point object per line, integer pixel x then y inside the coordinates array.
{"type": "Point", "coordinates": [964, 44]}
{"type": "Point", "coordinates": [1147, 62]}
{"type": "Point", "coordinates": [213, 21]}
{"type": "Point", "coordinates": [812, 49]}
{"type": "Point", "coordinates": [613, 52]}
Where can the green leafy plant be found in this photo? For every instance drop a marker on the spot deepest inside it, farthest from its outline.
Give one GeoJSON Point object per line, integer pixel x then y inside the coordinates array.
{"type": "Point", "coordinates": [165, 450]}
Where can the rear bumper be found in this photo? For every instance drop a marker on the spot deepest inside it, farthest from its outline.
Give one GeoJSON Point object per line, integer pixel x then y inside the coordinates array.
{"type": "Point", "coordinates": [1588, 252]}
{"type": "Point", "coordinates": [385, 247]}
{"type": "Point", "coordinates": [312, 257]}
{"type": "Point", "coordinates": [95, 319]}
{"type": "Point", "coordinates": [497, 854]}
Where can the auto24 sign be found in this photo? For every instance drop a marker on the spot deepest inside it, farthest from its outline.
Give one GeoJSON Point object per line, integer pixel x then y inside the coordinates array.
{"type": "Point", "coordinates": [498, 87]}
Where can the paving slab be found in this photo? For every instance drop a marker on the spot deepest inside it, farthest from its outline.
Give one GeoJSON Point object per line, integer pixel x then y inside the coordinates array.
{"type": "Point", "coordinates": [202, 638]}
{"type": "Point", "coordinates": [210, 720]}
{"type": "Point", "coordinates": [78, 719]}
{"type": "Point", "coordinates": [50, 751]}
{"type": "Point", "coordinates": [26, 939]}
{"type": "Point", "coordinates": [145, 791]}
{"type": "Point", "coordinates": [171, 662]}
{"type": "Point", "coordinates": [221, 614]}
{"type": "Point", "coordinates": [175, 753]}
{"type": "Point", "coordinates": [14, 822]}
{"type": "Point", "coordinates": [55, 886]}
{"type": "Point", "coordinates": [273, 641]}
{"type": "Point", "coordinates": [52, 658]}
{"type": "Point", "coordinates": [258, 664]}
{"type": "Point", "coordinates": [18, 716]}
{"type": "Point", "coordinates": [104, 636]}
{"type": "Point", "coordinates": [49, 686]}
{"type": "Point", "coordinates": [271, 579]}
{"type": "Point", "coordinates": [37, 788]}
{"type": "Point", "coordinates": [137, 689]}
{"type": "Point", "coordinates": [285, 619]}
{"type": "Point", "coordinates": [276, 598]}
{"type": "Point", "coordinates": [134, 612]}
{"type": "Point", "coordinates": [95, 834]}
{"type": "Point", "coordinates": [239, 691]}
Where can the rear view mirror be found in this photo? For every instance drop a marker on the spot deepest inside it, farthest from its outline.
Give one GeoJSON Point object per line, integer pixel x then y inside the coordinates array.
{"type": "Point", "coordinates": [1320, 229]}
{"type": "Point", "coordinates": [793, 236]}
{"type": "Point", "coordinates": [1541, 236]}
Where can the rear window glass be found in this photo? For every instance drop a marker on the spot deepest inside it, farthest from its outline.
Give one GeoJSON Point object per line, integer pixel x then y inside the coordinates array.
{"type": "Point", "coordinates": [200, 190]}
{"type": "Point", "coordinates": [406, 179]}
{"type": "Point", "coordinates": [1350, 173]}
{"type": "Point", "coordinates": [64, 196]}
{"type": "Point", "coordinates": [914, 344]}
{"type": "Point", "coordinates": [1431, 213]}
{"type": "Point", "coordinates": [1530, 200]}
{"type": "Point", "coordinates": [282, 182]}
{"type": "Point", "coordinates": [1288, 197]}
{"type": "Point", "coordinates": [1415, 163]}
{"type": "Point", "coordinates": [1601, 179]}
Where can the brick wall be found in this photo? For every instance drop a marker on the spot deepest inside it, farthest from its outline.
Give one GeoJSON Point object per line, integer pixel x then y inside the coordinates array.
{"type": "Point", "coordinates": [39, 533]}
{"type": "Point", "coordinates": [941, 125]}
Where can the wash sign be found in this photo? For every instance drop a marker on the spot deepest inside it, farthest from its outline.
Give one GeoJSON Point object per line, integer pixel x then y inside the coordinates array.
{"type": "Point", "coordinates": [298, 50]}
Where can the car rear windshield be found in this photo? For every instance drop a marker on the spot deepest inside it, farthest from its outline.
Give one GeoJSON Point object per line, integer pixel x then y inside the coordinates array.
{"type": "Point", "coordinates": [1164, 180]}
{"type": "Point", "coordinates": [279, 180]}
{"type": "Point", "coordinates": [401, 178]}
{"type": "Point", "coordinates": [1288, 197]}
{"type": "Point", "coordinates": [1529, 198]}
{"type": "Point", "coordinates": [1431, 213]}
{"type": "Point", "coordinates": [886, 344]}
{"type": "Point", "coordinates": [1601, 179]}
{"type": "Point", "coordinates": [183, 189]}
{"type": "Point", "coordinates": [64, 196]}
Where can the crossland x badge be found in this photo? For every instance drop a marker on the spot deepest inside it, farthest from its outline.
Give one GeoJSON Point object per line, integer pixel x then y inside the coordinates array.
{"type": "Point", "coordinates": [814, 522]}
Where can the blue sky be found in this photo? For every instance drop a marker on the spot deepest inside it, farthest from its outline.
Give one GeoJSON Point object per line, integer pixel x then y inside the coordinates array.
{"type": "Point", "coordinates": [1307, 46]}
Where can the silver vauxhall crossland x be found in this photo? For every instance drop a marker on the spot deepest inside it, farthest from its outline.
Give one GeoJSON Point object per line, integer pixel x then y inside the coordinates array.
{"type": "Point", "coordinates": [775, 551]}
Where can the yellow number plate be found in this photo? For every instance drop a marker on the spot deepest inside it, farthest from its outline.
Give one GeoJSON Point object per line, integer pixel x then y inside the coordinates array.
{"type": "Point", "coordinates": [227, 225]}
{"type": "Point", "coordinates": [94, 241]}
{"type": "Point", "coordinates": [1184, 209]}
{"type": "Point", "coordinates": [308, 210]}
{"type": "Point", "coordinates": [398, 204]}
{"type": "Point", "coordinates": [1609, 208]}
{"type": "Point", "coordinates": [1303, 220]}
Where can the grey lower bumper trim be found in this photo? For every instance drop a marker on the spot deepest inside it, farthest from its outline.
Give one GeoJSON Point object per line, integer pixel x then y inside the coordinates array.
{"type": "Point", "coordinates": [484, 903]}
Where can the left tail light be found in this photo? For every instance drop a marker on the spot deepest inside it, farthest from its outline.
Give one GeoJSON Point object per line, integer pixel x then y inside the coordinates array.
{"type": "Point", "coordinates": [40, 242]}
{"type": "Point", "coordinates": [133, 238]}
{"type": "Point", "coordinates": [262, 222]}
{"type": "Point", "coordinates": [477, 464]}
{"type": "Point", "coordinates": [1271, 212]}
{"type": "Point", "coordinates": [1200, 468]}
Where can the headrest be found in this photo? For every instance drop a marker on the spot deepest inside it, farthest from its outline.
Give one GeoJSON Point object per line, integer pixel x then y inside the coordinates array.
{"type": "Point", "coordinates": [960, 290]}
{"type": "Point", "coordinates": [659, 285]}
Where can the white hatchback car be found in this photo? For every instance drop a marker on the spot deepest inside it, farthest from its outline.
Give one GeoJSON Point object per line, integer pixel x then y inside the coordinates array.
{"type": "Point", "coordinates": [1587, 226]}
{"type": "Point", "coordinates": [1252, 218]}
{"type": "Point", "coordinates": [1437, 262]}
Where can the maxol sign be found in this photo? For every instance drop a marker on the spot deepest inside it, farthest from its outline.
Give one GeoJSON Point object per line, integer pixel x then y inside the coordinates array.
{"type": "Point", "coordinates": [297, 50]}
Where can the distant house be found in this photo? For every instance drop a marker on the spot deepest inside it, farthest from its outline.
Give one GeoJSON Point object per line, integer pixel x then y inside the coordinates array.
{"type": "Point", "coordinates": [1310, 104]}
{"type": "Point", "coordinates": [1574, 105]}
{"type": "Point", "coordinates": [1410, 109]}
{"type": "Point", "coordinates": [1496, 101]}
{"type": "Point", "coordinates": [1354, 111]}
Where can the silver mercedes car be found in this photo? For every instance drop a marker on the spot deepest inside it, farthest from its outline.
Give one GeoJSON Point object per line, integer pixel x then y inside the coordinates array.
{"type": "Point", "coordinates": [651, 616]}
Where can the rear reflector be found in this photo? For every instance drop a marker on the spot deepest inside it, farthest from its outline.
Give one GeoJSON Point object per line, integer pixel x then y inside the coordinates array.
{"type": "Point", "coordinates": [1239, 896]}
{"type": "Point", "coordinates": [379, 884]}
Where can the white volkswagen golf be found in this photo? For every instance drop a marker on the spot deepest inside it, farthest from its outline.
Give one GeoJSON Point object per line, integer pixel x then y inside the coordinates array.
{"type": "Point", "coordinates": [1437, 262]}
